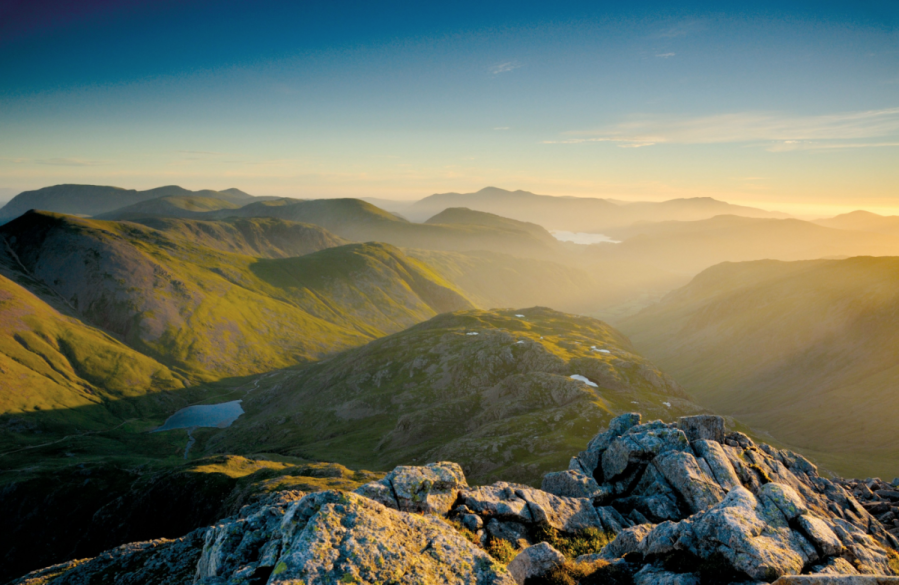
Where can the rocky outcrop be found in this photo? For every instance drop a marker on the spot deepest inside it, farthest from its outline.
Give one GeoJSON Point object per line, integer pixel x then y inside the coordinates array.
{"type": "Point", "coordinates": [681, 504]}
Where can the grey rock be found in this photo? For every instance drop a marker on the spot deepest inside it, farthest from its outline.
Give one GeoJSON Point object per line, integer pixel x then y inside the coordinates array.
{"type": "Point", "coordinates": [429, 489]}
{"type": "Point", "coordinates": [514, 532]}
{"type": "Point", "coordinates": [571, 484]}
{"type": "Point", "coordinates": [820, 534]}
{"type": "Point", "coordinates": [498, 500]}
{"type": "Point", "coordinates": [472, 522]}
{"type": "Point", "coordinates": [790, 504]}
{"type": "Point", "coordinates": [643, 445]}
{"type": "Point", "coordinates": [837, 580]}
{"type": "Point", "coordinates": [627, 541]}
{"type": "Point", "coordinates": [752, 541]}
{"type": "Point", "coordinates": [835, 566]}
{"type": "Point", "coordinates": [379, 491]}
{"type": "Point", "coordinates": [652, 575]}
{"type": "Point", "coordinates": [333, 537]}
{"type": "Point", "coordinates": [535, 561]}
{"type": "Point", "coordinates": [684, 474]}
{"type": "Point", "coordinates": [722, 470]}
{"type": "Point", "coordinates": [172, 562]}
{"type": "Point", "coordinates": [612, 520]}
{"type": "Point", "coordinates": [566, 514]}
{"type": "Point", "coordinates": [702, 427]}
{"type": "Point", "coordinates": [617, 426]}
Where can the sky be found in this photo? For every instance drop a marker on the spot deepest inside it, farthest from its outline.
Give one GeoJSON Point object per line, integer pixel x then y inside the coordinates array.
{"type": "Point", "coordinates": [789, 106]}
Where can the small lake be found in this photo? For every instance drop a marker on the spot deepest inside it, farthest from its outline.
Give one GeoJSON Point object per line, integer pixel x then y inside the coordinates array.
{"type": "Point", "coordinates": [582, 238]}
{"type": "Point", "coordinates": [204, 415]}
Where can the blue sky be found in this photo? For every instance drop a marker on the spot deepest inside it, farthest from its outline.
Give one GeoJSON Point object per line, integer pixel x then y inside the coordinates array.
{"type": "Point", "coordinates": [789, 106]}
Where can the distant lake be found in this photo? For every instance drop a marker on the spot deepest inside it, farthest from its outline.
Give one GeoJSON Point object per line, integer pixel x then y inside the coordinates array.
{"type": "Point", "coordinates": [583, 238]}
{"type": "Point", "coordinates": [204, 415]}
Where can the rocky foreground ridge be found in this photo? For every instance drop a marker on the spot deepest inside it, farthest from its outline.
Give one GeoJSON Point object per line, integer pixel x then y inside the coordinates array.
{"type": "Point", "coordinates": [681, 503]}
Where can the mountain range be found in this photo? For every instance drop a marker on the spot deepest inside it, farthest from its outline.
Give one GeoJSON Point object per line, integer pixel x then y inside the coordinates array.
{"type": "Point", "coordinates": [805, 350]}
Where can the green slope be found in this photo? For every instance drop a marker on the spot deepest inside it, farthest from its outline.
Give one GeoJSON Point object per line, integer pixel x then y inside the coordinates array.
{"type": "Point", "coordinates": [263, 237]}
{"type": "Point", "coordinates": [357, 220]}
{"type": "Point", "coordinates": [806, 351]}
{"type": "Point", "coordinates": [51, 362]}
{"type": "Point", "coordinates": [90, 200]}
{"type": "Point", "coordinates": [208, 313]}
{"type": "Point", "coordinates": [501, 402]}
{"type": "Point", "coordinates": [172, 206]}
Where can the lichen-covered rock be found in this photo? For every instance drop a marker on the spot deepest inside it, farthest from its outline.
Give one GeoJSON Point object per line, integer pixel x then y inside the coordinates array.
{"type": "Point", "coordinates": [565, 514]}
{"type": "Point", "coordinates": [702, 427]}
{"type": "Point", "coordinates": [820, 534]}
{"type": "Point", "coordinates": [722, 470]}
{"type": "Point", "coordinates": [627, 541]}
{"type": "Point", "coordinates": [154, 562]}
{"type": "Point", "coordinates": [429, 489]}
{"type": "Point", "coordinates": [753, 538]}
{"type": "Point", "coordinates": [684, 474]}
{"type": "Point", "coordinates": [535, 561]}
{"type": "Point", "coordinates": [653, 575]}
{"type": "Point", "coordinates": [641, 444]}
{"type": "Point", "coordinates": [571, 483]}
{"type": "Point", "coordinates": [498, 500]}
{"type": "Point", "coordinates": [351, 539]}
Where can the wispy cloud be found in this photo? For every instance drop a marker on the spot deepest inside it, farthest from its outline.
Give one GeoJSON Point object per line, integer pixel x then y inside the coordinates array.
{"type": "Point", "coordinates": [682, 29]}
{"type": "Point", "coordinates": [665, 55]}
{"type": "Point", "coordinates": [504, 67]}
{"type": "Point", "coordinates": [777, 132]}
{"type": "Point", "coordinates": [59, 162]}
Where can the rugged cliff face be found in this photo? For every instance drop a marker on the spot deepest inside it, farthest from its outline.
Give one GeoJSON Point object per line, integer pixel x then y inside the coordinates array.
{"type": "Point", "coordinates": [684, 503]}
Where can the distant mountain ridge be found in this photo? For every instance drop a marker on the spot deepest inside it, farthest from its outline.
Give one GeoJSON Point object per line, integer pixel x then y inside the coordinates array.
{"type": "Point", "coordinates": [863, 221]}
{"type": "Point", "coordinates": [91, 200]}
{"type": "Point", "coordinates": [588, 214]}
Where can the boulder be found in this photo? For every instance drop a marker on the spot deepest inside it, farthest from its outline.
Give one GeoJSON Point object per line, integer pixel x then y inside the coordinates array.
{"type": "Point", "coordinates": [820, 534]}
{"type": "Point", "coordinates": [627, 541]}
{"type": "Point", "coordinates": [431, 489]}
{"type": "Point", "coordinates": [513, 532]}
{"type": "Point", "coordinates": [572, 484]}
{"type": "Point", "coordinates": [749, 537]}
{"type": "Point", "coordinates": [702, 427]}
{"type": "Point", "coordinates": [722, 470]}
{"type": "Point", "coordinates": [641, 444]}
{"type": "Point", "coordinates": [335, 537]}
{"type": "Point", "coordinates": [682, 471]}
{"type": "Point", "coordinates": [535, 561]}
{"type": "Point", "coordinates": [498, 500]}
{"type": "Point", "coordinates": [653, 575]}
{"type": "Point", "coordinates": [565, 514]}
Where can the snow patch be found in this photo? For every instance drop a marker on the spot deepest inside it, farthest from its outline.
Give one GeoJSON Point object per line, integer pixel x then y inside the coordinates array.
{"type": "Point", "coordinates": [580, 378]}
{"type": "Point", "coordinates": [668, 404]}
{"type": "Point", "coordinates": [521, 316]}
{"type": "Point", "coordinates": [472, 333]}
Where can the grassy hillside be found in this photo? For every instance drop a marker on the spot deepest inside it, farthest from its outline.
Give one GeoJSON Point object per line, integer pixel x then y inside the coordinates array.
{"type": "Point", "coordinates": [208, 313]}
{"type": "Point", "coordinates": [489, 389]}
{"type": "Point", "coordinates": [263, 237]}
{"type": "Point", "coordinates": [51, 362]}
{"type": "Point", "coordinates": [863, 221]}
{"type": "Point", "coordinates": [357, 220]}
{"type": "Point", "coordinates": [90, 200]}
{"type": "Point", "coordinates": [690, 247]}
{"type": "Point", "coordinates": [577, 214]}
{"type": "Point", "coordinates": [179, 206]}
{"type": "Point", "coordinates": [806, 351]}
